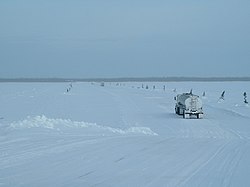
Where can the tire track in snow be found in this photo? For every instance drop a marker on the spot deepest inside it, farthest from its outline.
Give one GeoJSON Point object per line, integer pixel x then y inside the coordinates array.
{"type": "Point", "coordinates": [227, 112]}
{"type": "Point", "coordinates": [227, 156]}
{"type": "Point", "coordinates": [32, 151]}
{"type": "Point", "coordinates": [226, 161]}
{"type": "Point", "coordinates": [230, 165]}
{"type": "Point", "coordinates": [194, 172]}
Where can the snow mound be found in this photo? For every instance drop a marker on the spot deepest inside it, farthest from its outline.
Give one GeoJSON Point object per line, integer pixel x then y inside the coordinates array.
{"type": "Point", "coordinates": [67, 124]}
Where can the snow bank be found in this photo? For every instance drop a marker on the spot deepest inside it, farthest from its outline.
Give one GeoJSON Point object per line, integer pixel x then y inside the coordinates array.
{"type": "Point", "coordinates": [62, 124]}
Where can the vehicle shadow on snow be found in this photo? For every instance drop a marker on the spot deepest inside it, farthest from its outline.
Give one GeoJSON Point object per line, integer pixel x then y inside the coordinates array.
{"type": "Point", "coordinates": [171, 115]}
{"type": "Point", "coordinates": [167, 115]}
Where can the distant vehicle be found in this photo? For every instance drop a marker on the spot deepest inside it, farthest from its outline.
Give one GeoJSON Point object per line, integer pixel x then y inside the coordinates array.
{"type": "Point", "coordinates": [102, 84]}
{"type": "Point", "coordinates": [188, 105]}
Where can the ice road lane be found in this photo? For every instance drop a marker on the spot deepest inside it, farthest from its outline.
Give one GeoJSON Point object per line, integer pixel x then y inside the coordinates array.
{"type": "Point", "coordinates": [120, 136]}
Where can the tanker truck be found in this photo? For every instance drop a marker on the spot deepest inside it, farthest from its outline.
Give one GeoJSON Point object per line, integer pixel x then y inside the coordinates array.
{"type": "Point", "coordinates": [188, 105]}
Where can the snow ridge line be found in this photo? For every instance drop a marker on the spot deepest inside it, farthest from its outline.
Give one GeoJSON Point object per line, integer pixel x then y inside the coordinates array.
{"type": "Point", "coordinates": [62, 124]}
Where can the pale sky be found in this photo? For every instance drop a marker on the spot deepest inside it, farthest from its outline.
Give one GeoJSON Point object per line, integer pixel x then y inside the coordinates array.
{"type": "Point", "coordinates": [129, 38]}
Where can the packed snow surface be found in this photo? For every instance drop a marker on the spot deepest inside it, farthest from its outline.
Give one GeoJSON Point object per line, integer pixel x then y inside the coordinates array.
{"type": "Point", "coordinates": [122, 134]}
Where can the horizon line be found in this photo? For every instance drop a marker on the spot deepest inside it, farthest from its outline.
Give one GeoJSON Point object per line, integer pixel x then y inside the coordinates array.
{"type": "Point", "coordinates": [129, 79]}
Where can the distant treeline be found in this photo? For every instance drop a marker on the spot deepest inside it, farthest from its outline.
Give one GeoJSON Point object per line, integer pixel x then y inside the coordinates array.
{"type": "Point", "coordinates": [143, 79]}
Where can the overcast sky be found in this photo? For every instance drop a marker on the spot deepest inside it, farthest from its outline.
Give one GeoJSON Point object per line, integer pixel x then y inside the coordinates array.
{"type": "Point", "coordinates": [124, 38]}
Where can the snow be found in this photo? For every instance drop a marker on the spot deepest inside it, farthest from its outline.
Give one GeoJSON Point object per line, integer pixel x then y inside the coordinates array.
{"type": "Point", "coordinates": [61, 124]}
{"type": "Point", "coordinates": [122, 135]}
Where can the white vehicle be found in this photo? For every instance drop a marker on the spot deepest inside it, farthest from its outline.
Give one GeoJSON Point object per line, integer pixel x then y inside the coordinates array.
{"type": "Point", "coordinates": [188, 105]}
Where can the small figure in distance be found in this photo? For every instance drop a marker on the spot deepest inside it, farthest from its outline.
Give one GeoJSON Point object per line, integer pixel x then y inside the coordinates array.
{"type": "Point", "coordinates": [222, 95]}
{"type": "Point", "coordinates": [245, 97]}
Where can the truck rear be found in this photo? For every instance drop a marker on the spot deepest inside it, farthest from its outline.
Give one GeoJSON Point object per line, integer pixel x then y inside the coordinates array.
{"type": "Point", "coordinates": [188, 105]}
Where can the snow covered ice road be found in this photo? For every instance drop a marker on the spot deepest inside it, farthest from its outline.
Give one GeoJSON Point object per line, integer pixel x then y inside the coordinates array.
{"type": "Point", "coordinates": [122, 135]}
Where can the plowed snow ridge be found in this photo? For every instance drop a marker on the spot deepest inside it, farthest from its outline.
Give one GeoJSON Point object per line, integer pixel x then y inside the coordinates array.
{"type": "Point", "coordinates": [60, 124]}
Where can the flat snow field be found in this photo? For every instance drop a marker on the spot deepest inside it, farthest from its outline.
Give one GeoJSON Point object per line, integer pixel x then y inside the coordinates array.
{"type": "Point", "coordinates": [121, 135]}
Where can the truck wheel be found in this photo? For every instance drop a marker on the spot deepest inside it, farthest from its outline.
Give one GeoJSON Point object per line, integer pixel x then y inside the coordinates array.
{"type": "Point", "coordinates": [178, 110]}
{"type": "Point", "coordinates": [200, 116]}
